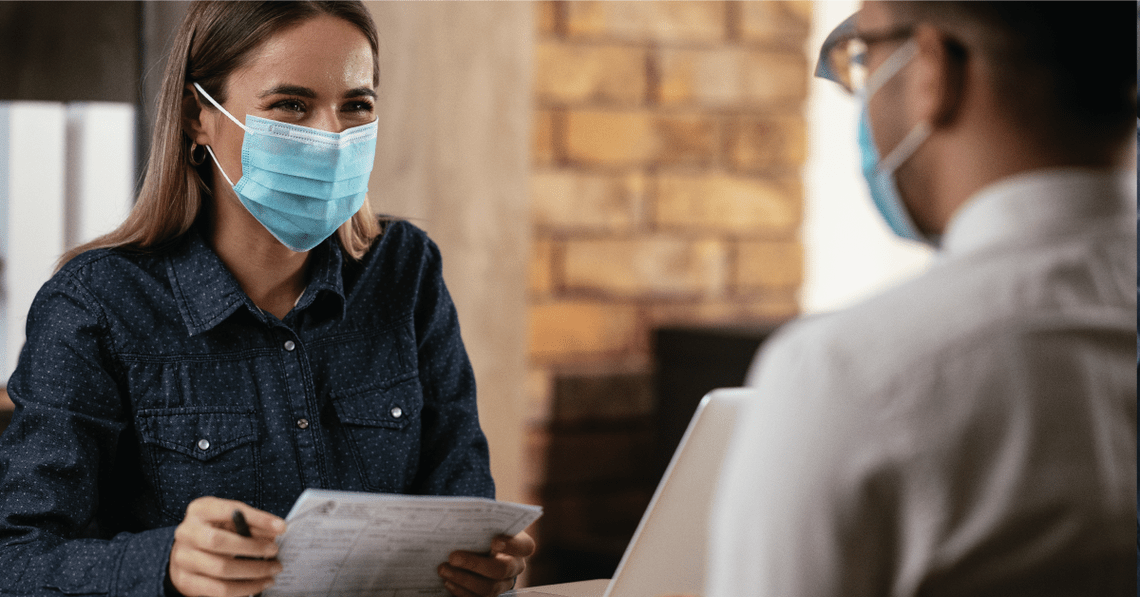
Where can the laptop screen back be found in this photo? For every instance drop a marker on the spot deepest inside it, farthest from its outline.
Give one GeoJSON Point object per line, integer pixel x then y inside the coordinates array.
{"type": "Point", "coordinates": [668, 550]}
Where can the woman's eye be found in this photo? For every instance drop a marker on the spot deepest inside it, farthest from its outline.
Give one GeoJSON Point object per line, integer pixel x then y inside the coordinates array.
{"type": "Point", "coordinates": [358, 107]}
{"type": "Point", "coordinates": [290, 105]}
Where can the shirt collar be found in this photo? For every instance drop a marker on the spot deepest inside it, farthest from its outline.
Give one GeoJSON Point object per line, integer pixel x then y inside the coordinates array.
{"type": "Point", "coordinates": [325, 278]}
{"type": "Point", "coordinates": [1040, 204]}
{"type": "Point", "coordinates": [207, 293]}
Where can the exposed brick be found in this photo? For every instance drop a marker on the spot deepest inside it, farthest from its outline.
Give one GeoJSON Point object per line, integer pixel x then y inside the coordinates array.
{"type": "Point", "coordinates": [685, 140]}
{"type": "Point", "coordinates": [764, 143]}
{"type": "Point", "coordinates": [734, 204]}
{"type": "Point", "coordinates": [609, 74]}
{"type": "Point", "coordinates": [601, 398]}
{"type": "Point", "coordinates": [769, 264]}
{"type": "Point", "coordinates": [784, 23]}
{"type": "Point", "coordinates": [542, 137]}
{"type": "Point", "coordinates": [546, 17]}
{"type": "Point", "coordinates": [540, 395]}
{"type": "Point", "coordinates": [533, 495]}
{"type": "Point", "coordinates": [674, 21]}
{"type": "Point", "coordinates": [639, 138]}
{"type": "Point", "coordinates": [541, 275]}
{"type": "Point", "coordinates": [773, 307]}
{"type": "Point", "coordinates": [667, 137]}
{"type": "Point", "coordinates": [534, 459]}
{"type": "Point", "coordinates": [583, 201]}
{"type": "Point", "coordinates": [569, 329]}
{"type": "Point", "coordinates": [578, 515]}
{"type": "Point", "coordinates": [585, 456]}
{"type": "Point", "coordinates": [730, 77]}
{"type": "Point", "coordinates": [646, 267]}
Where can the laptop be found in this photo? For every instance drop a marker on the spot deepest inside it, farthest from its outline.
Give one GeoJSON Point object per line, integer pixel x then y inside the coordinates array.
{"type": "Point", "coordinates": [670, 546]}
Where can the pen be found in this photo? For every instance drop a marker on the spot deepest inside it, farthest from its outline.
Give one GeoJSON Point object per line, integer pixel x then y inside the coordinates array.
{"type": "Point", "coordinates": [242, 528]}
{"type": "Point", "coordinates": [240, 524]}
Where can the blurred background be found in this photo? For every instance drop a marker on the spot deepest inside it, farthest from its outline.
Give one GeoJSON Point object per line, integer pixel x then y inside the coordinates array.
{"type": "Point", "coordinates": [629, 196]}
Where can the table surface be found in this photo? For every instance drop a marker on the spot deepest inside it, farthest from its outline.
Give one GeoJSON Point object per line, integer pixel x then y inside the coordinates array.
{"type": "Point", "coordinates": [586, 588]}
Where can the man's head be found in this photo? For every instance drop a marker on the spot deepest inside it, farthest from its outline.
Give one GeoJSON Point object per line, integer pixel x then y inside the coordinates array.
{"type": "Point", "coordinates": [1006, 87]}
{"type": "Point", "coordinates": [1074, 56]}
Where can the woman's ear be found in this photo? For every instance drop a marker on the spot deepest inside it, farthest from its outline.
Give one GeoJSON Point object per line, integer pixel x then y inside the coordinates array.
{"type": "Point", "coordinates": [192, 117]}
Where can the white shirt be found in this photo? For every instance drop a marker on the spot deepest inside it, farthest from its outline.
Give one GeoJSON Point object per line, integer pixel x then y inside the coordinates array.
{"type": "Point", "coordinates": [970, 432]}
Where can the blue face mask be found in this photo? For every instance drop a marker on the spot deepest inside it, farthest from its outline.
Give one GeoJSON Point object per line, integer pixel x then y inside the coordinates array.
{"type": "Point", "coordinates": [880, 173]}
{"type": "Point", "coordinates": [301, 183]}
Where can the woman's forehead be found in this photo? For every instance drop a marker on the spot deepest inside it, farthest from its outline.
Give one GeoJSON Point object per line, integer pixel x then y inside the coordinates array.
{"type": "Point", "coordinates": [325, 52]}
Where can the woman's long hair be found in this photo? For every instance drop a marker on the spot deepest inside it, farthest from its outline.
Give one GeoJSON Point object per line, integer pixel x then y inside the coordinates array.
{"type": "Point", "coordinates": [214, 40]}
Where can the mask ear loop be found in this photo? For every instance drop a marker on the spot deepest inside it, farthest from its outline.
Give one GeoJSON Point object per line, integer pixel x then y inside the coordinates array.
{"type": "Point", "coordinates": [918, 134]}
{"type": "Point", "coordinates": [905, 148]}
{"type": "Point", "coordinates": [219, 106]}
{"type": "Point", "coordinates": [228, 115]}
{"type": "Point", "coordinates": [889, 68]}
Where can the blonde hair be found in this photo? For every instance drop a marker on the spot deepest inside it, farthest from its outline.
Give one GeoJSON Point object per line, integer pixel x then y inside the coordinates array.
{"type": "Point", "coordinates": [215, 39]}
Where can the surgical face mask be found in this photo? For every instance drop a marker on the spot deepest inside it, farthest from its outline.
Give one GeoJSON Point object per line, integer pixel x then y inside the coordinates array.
{"type": "Point", "coordinates": [301, 183]}
{"type": "Point", "coordinates": [880, 173]}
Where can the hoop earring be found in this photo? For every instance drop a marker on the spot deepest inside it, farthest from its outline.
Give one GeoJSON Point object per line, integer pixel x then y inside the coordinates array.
{"type": "Point", "coordinates": [197, 160]}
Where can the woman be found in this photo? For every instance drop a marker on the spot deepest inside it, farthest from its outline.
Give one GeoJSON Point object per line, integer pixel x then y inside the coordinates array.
{"type": "Point", "coordinates": [248, 332]}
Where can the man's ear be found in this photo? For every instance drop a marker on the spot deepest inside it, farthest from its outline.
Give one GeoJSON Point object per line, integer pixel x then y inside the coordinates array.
{"type": "Point", "coordinates": [192, 113]}
{"type": "Point", "coordinates": [940, 76]}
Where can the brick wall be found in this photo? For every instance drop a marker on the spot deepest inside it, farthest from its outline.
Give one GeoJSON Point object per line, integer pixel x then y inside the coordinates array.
{"type": "Point", "coordinates": [668, 139]}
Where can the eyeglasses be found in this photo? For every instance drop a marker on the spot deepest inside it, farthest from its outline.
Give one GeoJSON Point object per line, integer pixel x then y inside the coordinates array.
{"type": "Point", "coordinates": [843, 56]}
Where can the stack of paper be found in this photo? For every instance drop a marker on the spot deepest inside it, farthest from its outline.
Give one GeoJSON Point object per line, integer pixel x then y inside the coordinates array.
{"type": "Point", "coordinates": [379, 545]}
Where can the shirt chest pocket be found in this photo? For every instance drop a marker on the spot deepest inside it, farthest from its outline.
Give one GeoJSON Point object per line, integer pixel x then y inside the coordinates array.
{"type": "Point", "coordinates": [382, 428]}
{"type": "Point", "coordinates": [194, 452]}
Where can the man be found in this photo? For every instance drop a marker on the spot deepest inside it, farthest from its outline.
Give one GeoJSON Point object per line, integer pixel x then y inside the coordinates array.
{"type": "Point", "coordinates": [970, 432]}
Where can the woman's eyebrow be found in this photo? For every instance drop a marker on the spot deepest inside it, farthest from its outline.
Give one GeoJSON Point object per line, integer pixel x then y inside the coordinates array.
{"type": "Point", "coordinates": [300, 91]}
{"type": "Point", "coordinates": [289, 90]}
{"type": "Point", "coordinates": [359, 91]}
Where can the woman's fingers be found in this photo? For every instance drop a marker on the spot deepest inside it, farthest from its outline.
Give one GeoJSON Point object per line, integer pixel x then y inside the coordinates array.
{"type": "Point", "coordinates": [463, 582]}
{"type": "Point", "coordinates": [209, 558]}
{"type": "Point", "coordinates": [194, 572]}
{"type": "Point", "coordinates": [207, 536]}
{"type": "Point", "coordinates": [220, 512]}
{"type": "Point", "coordinates": [468, 574]}
{"type": "Point", "coordinates": [194, 584]}
{"type": "Point", "coordinates": [224, 567]}
{"type": "Point", "coordinates": [521, 545]}
{"type": "Point", "coordinates": [493, 567]}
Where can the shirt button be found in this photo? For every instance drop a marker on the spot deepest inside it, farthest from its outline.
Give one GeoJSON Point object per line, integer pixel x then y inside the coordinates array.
{"type": "Point", "coordinates": [203, 444]}
{"type": "Point", "coordinates": [302, 423]}
{"type": "Point", "coordinates": [397, 412]}
{"type": "Point", "coordinates": [289, 346]}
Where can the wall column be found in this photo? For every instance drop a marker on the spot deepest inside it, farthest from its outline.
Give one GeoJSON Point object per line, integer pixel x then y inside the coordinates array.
{"type": "Point", "coordinates": [454, 158]}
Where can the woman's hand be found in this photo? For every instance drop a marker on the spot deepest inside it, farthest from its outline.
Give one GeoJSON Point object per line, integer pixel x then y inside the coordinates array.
{"type": "Point", "coordinates": [204, 562]}
{"type": "Point", "coordinates": [468, 574]}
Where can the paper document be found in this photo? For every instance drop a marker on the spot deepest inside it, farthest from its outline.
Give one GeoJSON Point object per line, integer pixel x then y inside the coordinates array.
{"type": "Point", "coordinates": [345, 543]}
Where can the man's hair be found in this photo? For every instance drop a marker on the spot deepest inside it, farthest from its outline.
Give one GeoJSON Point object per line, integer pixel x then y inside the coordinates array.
{"type": "Point", "coordinates": [1081, 51]}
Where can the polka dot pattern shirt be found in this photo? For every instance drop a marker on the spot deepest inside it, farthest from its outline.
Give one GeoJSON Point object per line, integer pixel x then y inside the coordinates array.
{"type": "Point", "coordinates": [149, 380]}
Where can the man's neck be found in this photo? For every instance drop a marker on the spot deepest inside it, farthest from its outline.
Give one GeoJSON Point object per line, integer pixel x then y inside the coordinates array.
{"type": "Point", "coordinates": [971, 160]}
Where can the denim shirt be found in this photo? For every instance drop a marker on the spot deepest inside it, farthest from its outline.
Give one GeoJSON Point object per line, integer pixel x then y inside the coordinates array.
{"type": "Point", "coordinates": [151, 379]}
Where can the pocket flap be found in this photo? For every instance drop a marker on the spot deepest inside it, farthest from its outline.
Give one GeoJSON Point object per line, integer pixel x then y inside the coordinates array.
{"type": "Point", "coordinates": [391, 406]}
{"type": "Point", "coordinates": [198, 433]}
